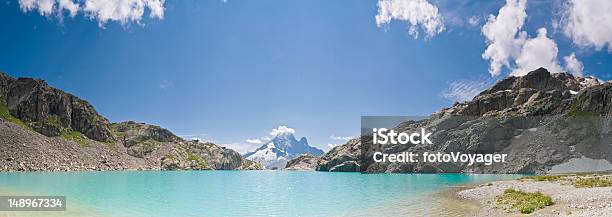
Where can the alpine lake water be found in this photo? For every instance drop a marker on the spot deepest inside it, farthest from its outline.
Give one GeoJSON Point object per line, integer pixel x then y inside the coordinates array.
{"type": "Point", "coordinates": [237, 193]}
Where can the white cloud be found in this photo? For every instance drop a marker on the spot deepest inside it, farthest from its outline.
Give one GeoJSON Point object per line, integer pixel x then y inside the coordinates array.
{"type": "Point", "coordinates": [502, 34]}
{"type": "Point", "coordinates": [198, 136]}
{"type": "Point", "coordinates": [122, 11]}
{"type": "Point", "coordinates": [573, 65]}
{"type": "Point", "coordinates": [537, 52]}
{"type": "Point", "coordinates": [332, 145]}
{"type": "Point", "coordinates": [259, 140]}
{"type": "Point", "coordinates": [474, 21]}
{"type": "Point", "coordinates": [510, 47]}
{"type": "Point", "coordinates": [281, 130]}
{"type": "Point", "coordinates": [254, 141]}
{"type": "Point", "coordinates": [465, 90]}
{"type": "Point", "coordinates": [70, 6]}
{"type": "Point", "coordinates": [198, 139]}
{"type": "Point", "coordinates": [345, 138]}
{"type": "Point", "coordinates": [239, 147]}
{"type": "Point", "coordinates": [589, 23]}
{"type": "Point", "coordinates": [49, 7]}
{"type": "Point", "coordinates": [417, 13]}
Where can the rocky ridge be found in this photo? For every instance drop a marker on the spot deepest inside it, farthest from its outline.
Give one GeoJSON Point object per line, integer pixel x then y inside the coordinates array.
{"type": "Point", "coordinates": [540, 120]}
{"type": "Point", "coordinates": [45, 129]}
{"type": "Point", "coordinates": [303, 162]}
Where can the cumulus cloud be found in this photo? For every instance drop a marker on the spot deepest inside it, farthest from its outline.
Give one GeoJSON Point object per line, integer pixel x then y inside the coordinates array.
{"type": "Point", "coordinates": [537, 52]}
{"type": "Point", "coordinates": [503, 37]}
{"type": "Point", "coordinates": [254, 141]}
{"type": "Point", "coordinates": [122, 11]}
{"type": "Point", "coordinates": [465, 90]}
{"type": "Point", "coordinates": [49, 7]}
{"type": "Point", "coordinates": [281, 130]}
{"type": "Point", "coordinates": [573, 65]}
{"type": "Point", "coordinates": [416, 13]}
{"type": "Point", "coordinates": [345, 138]}
{"type": "Point", "coordinates": [510, 47]}
{"type": "Point", "coordinates": [69, 6]}
{"type": "Point", "coordinates": [589, 23]}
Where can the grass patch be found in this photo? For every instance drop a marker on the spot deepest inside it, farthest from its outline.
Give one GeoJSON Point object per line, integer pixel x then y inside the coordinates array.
{"type": "Point", "coordinates": [5, 114]}
{"type": "Point", "coordinates": [549, 178]}
{"type": "Point", "coordinates": [193, 157]}
{"type": "Point", "coordinates": [199, 162]}
{"type": "Point", "coordinates": [593, 182]}
{"type": "Point", "coordinates": [149, 145]}
{"type": "Point", "coordinates": [525, 202]}
{"type": "Point", "coordinates": [584, 180]}
{"type": "Point", "coordinates": [246, 163]}
{"type": "Point", "coordinates": [54, 121]}
{"type": "Point", "coordinates": [576, 110]}
{"type": "Point", "coordinates": [75, 136]}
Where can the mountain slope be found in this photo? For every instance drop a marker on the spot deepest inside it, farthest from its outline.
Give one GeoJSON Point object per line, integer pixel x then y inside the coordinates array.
{"type": "Point", "coordinates": [544, 122]}
{"type": "Point", "coordinates": [282, 148]}
{"type": "Point", "coordinates": [45, 129]}
{"type": "Point", "coordinates": [303, 162]}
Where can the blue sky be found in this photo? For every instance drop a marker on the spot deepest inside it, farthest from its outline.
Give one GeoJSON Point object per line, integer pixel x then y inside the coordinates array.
{"type": "Point", "coordinates": [232, 71]}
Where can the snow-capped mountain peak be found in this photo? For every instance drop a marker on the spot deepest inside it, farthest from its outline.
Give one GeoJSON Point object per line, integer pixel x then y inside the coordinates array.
{"type": "Point", "coordinates": [280, 149]}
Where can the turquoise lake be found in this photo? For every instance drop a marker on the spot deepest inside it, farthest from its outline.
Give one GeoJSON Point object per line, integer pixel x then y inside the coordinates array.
{"type": "Point", "coordinates": [236, 193]}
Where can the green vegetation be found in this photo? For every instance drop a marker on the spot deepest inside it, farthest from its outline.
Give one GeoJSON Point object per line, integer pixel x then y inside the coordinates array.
{"type": "Point", "coordinates": [5, 114]}
{"type": "Point", "coordinates": [54, 121]}
{"type": "Point", "coordinates": [67, 134]}
{"type": "Point", "coordinates": [149, 145]}
{"type": "Point", "coordinates": [171, 157]}
{"type": "Point", "coordinates": [119, 130]}
{"type": "Point", "coordinates": [593, 182]}
{"type": "Point", "coordinates": [525, 202]}
{"type": "Point", "coordinates": [247, 163]}
{"type": "Point", "coordinates": [576, 110]}
{"type": "Point", "coordinates": [549, 178]}
{"type": "Point", "coordinates": [584, 180]}
{"type": "Point", "coordinates": [75, 136]}
{"type": "Point", "coordinates": [193, 157]}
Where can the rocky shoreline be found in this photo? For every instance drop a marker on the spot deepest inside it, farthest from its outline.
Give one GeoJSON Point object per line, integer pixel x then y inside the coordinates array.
{"type": "Point", "coordinates": [568, 200]}
{"type": "Point", "coordinates": [23, 150]}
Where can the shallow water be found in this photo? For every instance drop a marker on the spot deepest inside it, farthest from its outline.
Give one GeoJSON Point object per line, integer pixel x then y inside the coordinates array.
{"type": "Point", "coordinates": [237, 193]}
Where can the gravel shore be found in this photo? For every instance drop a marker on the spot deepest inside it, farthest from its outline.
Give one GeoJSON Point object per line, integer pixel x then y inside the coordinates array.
{"type": "Point", "coordinates": [568, 200]}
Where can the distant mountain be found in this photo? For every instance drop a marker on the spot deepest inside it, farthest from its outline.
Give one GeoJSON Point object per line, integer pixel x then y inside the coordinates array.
{"type": "Point", "coordinates": [279, 150]}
